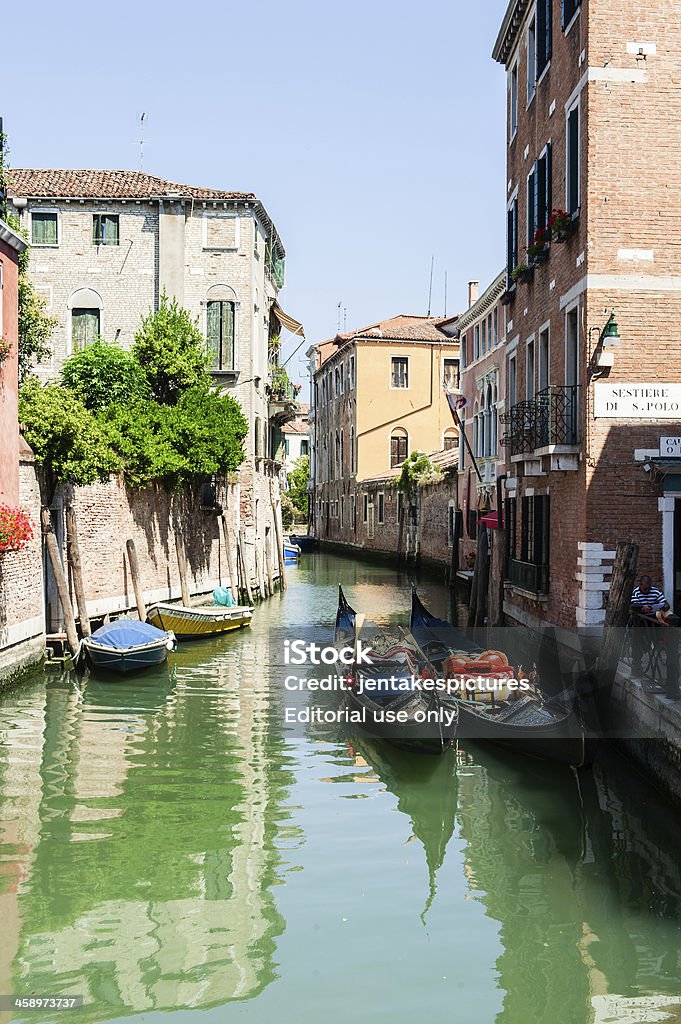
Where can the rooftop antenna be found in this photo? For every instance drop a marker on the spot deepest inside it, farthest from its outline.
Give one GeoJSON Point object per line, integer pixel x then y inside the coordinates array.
{"type": "Point", "coordinates": [445, 294]}
{"type": "Point", "coordinates": [142, 117]}
{"type": "Point", "coordinates": [345, 318]}
{"type": "Point", "coordinates": [340, 304]}
{"type": "Point", "coordinates": [430, 286]}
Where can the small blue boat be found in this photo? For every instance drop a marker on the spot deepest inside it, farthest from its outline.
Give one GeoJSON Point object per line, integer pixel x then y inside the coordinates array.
{"type": "Point", "coordinates": [128, 646]}
{"type": "Point", "coordinates": [291, 553]}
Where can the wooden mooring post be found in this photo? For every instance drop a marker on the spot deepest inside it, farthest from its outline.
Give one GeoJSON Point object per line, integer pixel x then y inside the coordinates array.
{"type": "Point", "coordinates": [616, 615]}
{"type": "Point", "coordinates": [231, 559]}
{"type": "Point", "coordinates": [73, 555]}
{"type": "Point", "coordinates": [136, 580]}
{"type": "Point", "coordinates": [268, 564]}
{"type": "Point", "coordinates": [182, 567]}
{"type": "Point", "coordinates": [59, 579]}
{"type": "Point", "coordinates": [280, 541]}
{"type": "Point", "coordinates": [245, 573]}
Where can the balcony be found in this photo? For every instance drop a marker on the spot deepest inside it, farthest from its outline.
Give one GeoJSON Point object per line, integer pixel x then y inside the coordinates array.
{"type": "Point", "coordinates": [547, 424]}
{"type": "Point", "coordinates": [528, 576]}
{"type": "Point", "coordinates": [282, 396]}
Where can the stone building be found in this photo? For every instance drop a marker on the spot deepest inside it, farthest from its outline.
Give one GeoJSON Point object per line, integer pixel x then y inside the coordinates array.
{"type": "Point", "coordinates": [105, 245]}
{"type": "Point", "coordinates": [11, 247]}
{"type": "Point", "coordinates": [296, 438]}
{"type": "Point", "coordinates": [377, 397]}
{"type": "Point", "coordinates": [594, 180]}
{"type": "Point", "coordinates": [481, 331]}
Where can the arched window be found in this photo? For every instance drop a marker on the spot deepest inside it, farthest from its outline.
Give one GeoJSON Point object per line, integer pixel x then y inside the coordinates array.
{"type": "Point", "coordinates": [476, 430]}
{"type": "Point", "coordinates": [86, 317]}
{"type": "Point", "coordinates": [220, 314]}
{"type": "Point", "coordinates": [450, 439]}
{"type": "Point", "coordinates": [495, 421]}
{"type": "Point", "coordinates": [487, 450]}
{"type": "Point", "coordinates": [399, 444]}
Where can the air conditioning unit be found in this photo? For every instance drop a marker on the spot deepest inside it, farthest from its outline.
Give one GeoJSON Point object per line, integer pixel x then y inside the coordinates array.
{"type": "Point", "coordinates": [489, 475]}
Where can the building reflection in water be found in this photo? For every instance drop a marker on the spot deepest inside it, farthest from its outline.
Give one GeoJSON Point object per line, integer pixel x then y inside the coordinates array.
{"type": "Point", "coordinates": [145, 881]}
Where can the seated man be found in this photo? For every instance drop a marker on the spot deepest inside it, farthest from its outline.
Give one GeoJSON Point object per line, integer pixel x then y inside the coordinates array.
{"type": "Point", "coordinates": [647, 601]}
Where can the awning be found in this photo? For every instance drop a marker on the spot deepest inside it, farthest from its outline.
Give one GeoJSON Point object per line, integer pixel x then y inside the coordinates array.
{"type": "Point", "coordinates": [287, 321]}
{"type": "Point", "coordinates": [491, 519]}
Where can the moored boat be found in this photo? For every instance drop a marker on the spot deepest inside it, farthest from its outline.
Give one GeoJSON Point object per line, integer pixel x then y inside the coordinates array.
{"type": "Point", "coordinates": [388, 695]}
{"type": "Point", "coordinates": [127, 646]}
{"type": "Point", "coordinates": [195, 623]}
{"type": "Point", "coordinates": [304, 541]}
{"type": "Point", "coordinates": [291, 553]}
{"type": "Point", "coordinates": [521, 720]}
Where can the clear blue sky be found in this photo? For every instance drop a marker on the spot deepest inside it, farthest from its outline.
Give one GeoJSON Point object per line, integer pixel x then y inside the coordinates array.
{"type": "Point", "coordinates": [372, 131]}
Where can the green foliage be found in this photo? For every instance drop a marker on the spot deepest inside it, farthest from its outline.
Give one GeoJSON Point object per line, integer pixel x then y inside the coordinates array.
{"type": "Point", "coordinates": [417, 470]}
{"type": "Point", "coordinates": [172, 351]}
{"type": "Point", "coordinates": [202, 434]}
{"type": "Point", "coordinates": [297, 486]}
{"type": "Point", "coordinates": [288, 512]}
{"type": "Point", "coordinates": [103, 374]}
{"type": "Point", "coordinates": [35, 325]}
{"type": "Point", "coordinates": [64, 435]}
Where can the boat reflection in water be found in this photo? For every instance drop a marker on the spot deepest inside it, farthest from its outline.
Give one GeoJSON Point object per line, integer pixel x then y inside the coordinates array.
{"type": "Point", "coordinates": [148, 884]}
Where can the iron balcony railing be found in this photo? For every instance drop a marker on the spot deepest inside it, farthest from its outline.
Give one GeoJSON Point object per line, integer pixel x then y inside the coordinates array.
{"type": "Point", "coordinates": [550, 418]}
{"type": "Point", "coordinates": [528, 576]}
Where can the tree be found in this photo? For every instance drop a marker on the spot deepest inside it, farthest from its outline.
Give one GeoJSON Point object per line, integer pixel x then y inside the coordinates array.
{"type": "Point", "coordinates": [103, 374]}
{"type": "Point", "coordinates": [64, 435]}
{"type": "Point", "coordinates": [172, 351]}
{"type": "Point", "coordinates": [297, 485]}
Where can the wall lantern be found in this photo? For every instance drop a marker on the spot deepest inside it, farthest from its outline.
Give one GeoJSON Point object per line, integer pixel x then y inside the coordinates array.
{"type": "Point", "coordinates": [609, 338]}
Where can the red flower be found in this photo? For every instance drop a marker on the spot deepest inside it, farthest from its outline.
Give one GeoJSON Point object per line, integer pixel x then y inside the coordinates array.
{"type": "Point", "coordinates": [16, 529]}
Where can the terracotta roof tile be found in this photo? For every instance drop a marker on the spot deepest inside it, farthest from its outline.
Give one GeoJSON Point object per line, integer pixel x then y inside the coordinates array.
{"type": "Point", "coordinates": [98, 184]}
{"type": "Point", "coordinates": [398, 328]}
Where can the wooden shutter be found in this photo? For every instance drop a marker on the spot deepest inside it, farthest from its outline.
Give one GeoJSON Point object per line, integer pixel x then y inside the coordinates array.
{"type": "Point", "coordinates": [213, 334]}
{"type": "Point", "coordinates": [227, 335]}
{"type": "Point", "coordinates": [573, 160]}
{"type": "Point", "coordinates": [543, 35]}
{"type": "Point", "coordinates": [548, 183]}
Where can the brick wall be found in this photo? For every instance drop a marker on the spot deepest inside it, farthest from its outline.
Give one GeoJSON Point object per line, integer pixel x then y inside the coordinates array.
{"type": "Point", "coordinates": [22, 638]}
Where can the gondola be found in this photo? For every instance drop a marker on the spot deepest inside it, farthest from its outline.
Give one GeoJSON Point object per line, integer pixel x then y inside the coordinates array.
{"type": "Point", "coordinates": [387, 695]}
{"type": "Point", "coordinates": [521, 720]}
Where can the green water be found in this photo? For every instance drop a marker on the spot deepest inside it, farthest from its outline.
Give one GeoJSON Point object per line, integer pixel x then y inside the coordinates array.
{"type": "Point", "coordinates": [167, 844]}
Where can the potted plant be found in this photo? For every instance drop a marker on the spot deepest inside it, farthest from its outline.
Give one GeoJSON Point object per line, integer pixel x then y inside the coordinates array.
{"type": "Point", "coordinates": [538, 251]}
{"type": "Point", "coordinates": [522, 272]}
{"type": "Point", "coordinates": [5, 349]}
{"type": "Point", "coordinates": [560, 225]}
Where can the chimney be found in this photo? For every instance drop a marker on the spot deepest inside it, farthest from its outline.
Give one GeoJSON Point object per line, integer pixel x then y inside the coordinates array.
{"type": "Point", "coordinates": [473, 291]}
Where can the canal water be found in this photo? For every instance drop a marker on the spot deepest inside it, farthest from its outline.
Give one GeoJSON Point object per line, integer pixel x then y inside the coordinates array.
{"type": "Point", "coordinates": [168, 845]}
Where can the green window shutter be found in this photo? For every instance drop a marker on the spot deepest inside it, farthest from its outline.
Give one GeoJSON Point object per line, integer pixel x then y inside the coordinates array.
{"type": "Point", "coordinates": [110, 229]}
{"type": "Point", "coordinates": [84, 327]}
{"type": "Point", "coordinates": [44, 228]}
{"type": "Point", "coordinates": [227, 339]}
{"type": "Point", "coordinates": [213, 335]}
{"type": "Point", "coordinates": [96, 229]}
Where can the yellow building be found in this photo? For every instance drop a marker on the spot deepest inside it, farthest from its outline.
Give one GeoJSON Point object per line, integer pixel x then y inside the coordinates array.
{"type": "Point", "coordinates": [378, 396]}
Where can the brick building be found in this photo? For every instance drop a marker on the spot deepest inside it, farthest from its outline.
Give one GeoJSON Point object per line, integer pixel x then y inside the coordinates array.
{"type": "Point", "coordinates": [592, 100]}
{"type": "Point", "coordinates": [377, 397]}
{"type": "Point", "coordinates": [11, 247]}
{"type": "Point", "coordinates": [106, 244]}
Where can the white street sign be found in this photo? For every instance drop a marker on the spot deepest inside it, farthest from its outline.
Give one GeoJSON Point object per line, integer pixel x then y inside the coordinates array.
{"type": "Point", "coordinates": [637, 401]}
{"type": "Point", "coordinates": [670, 447]}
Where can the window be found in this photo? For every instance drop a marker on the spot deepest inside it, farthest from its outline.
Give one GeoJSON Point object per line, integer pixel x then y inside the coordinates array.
{"type": "Point", "coordinates": [351, 373]}
{"type": "Point", "coordinates": [221, 231]}
{"type": "Point", "coordinates": [84, 327]}
{"type": "Point", "coordinates": [570, 8]}
{"type": "Point", "coordinates": [529, 370]}
{"type": "Point", "coordinates": [511, 242]}
{"type": "Point", "coordinates": [44, 228]}
{"type": "Point", "coordinates": [476, 342]}
{"type": "Point", "coordinates": [531, 59]}
{"type": "Point", "coordinates": [531, 205]}
{"type": "Point", "coordinates": [451, 524]}
{"type": "Point", "coordinates": [399, 371]}
{"type": "Point", "coordinates": [342, 512]}
{"type": "Point", "coordinates": [513, 101]}
{"type": "Point", "coordinates": [304, 446]}
{"type": "Point", "coordinates": [496, 325]}
{"type": "Point", "coordinates": [287, 447]}
{"type": "Point", "coordinates": [543, 199]}
{"type": "Point", "coordinates": [220, 334]}
{"type": "Point", "coordinates": [365, 513]}
{"type": "Point", "coordinates": [451, 375]}
{"type": "Point", "coordinates": [543, 36]}
{"type": "Point", "coordinates": [483, 345]}
{"type": "Point", "coordinates": [353, 512]}
{"type": "Point", "coordinates": [544, 358]}
{"type": "Point", "coordinates": [105, 229]}
{"type": "Point", "coordinates": [450, 441]}
{"type": "Point", "coordinates": [341, 381]}
{"type": "Point", "coordinates": [399, 440]}
{"type": "Point", "coordinates": [510, 519]}
{"type": "Point", "coordinates": [352, 450]}
{"type": "Point", "coordinates": [464, 352]}
{"type": "Point", "coordinates": [512, 385]}
{"type": "Point", "coordinates": [573, 160]}
{"type": "Point", "coordinates": [534, 530]}
{"type": "Point", "coordinates": [341, 464]}
{"type": "Point", "coordinates": [381, 508]}
{"type": "Point", "coordinates": [572, 347]}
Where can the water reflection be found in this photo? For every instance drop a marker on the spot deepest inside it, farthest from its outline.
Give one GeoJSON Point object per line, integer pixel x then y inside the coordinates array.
{"type": "Point", "coordinates": [147, 828]}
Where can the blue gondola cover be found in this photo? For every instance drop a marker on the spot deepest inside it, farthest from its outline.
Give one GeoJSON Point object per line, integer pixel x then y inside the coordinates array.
{"type": "Point", "coordinates": [127, 633]}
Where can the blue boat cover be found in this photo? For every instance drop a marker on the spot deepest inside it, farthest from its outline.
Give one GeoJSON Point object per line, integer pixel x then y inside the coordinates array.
{"type": "Point", "coordinates": [127, 633]}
